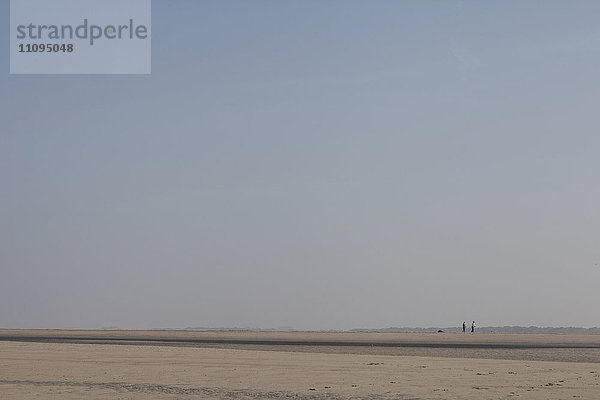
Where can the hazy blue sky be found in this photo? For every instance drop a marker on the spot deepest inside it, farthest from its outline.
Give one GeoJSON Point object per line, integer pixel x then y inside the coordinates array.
{"type": "Point", "coordinates": [314, 164]}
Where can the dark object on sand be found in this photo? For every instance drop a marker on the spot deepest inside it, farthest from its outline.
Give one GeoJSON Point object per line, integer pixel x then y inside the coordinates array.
{"type": "Point", "coordinates": [440, 331]}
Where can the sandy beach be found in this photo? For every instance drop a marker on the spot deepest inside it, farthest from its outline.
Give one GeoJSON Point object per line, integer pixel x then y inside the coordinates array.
{"type": "Point", "coordinates": [311, 200]}
{"type": "Point", "coordinates": [49, 364]}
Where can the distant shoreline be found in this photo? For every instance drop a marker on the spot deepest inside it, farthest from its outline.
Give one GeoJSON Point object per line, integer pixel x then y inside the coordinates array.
{"type": "Point", "coordinates": [484, 329]}
{"type": "Point", "coordinates": [541, 347]}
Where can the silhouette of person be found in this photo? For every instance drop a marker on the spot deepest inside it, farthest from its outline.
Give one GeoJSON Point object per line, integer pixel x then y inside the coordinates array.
{"type": "Point", "coordinates": [473, 327]}
{"type": "Point", "coordinates": [464, 326]}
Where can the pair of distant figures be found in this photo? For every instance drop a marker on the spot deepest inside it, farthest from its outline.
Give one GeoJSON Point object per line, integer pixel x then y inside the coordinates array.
{"type": "Point", "coordinates": [465, 327]}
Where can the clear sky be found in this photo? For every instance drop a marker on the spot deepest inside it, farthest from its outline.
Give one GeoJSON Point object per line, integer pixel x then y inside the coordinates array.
{"type": "Point", "coordinates": [313, 164]}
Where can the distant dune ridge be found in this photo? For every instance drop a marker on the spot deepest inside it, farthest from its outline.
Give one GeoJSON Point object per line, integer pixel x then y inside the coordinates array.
{"type": "Point", "coordinates": [494, 329]}
{"type": "Point", "coordinates": [486, 329]}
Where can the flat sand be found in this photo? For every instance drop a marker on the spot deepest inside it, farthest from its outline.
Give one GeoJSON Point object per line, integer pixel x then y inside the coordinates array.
{"type": "Point", "coordinates": [302, 365]}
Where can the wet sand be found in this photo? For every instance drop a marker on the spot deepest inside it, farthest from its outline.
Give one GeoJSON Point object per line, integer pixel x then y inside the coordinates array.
{"type": "Point", "coordinates": [303, 365]}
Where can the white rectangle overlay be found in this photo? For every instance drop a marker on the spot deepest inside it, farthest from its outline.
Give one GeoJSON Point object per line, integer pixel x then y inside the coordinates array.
{"type": "Point", "coordinates": [80, 37]}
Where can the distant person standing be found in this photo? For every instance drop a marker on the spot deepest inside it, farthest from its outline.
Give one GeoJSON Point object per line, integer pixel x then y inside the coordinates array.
{"type": "Point", "coordinates": [473, 327]}
{"type": "Point", "coordinates": [464, 326]}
